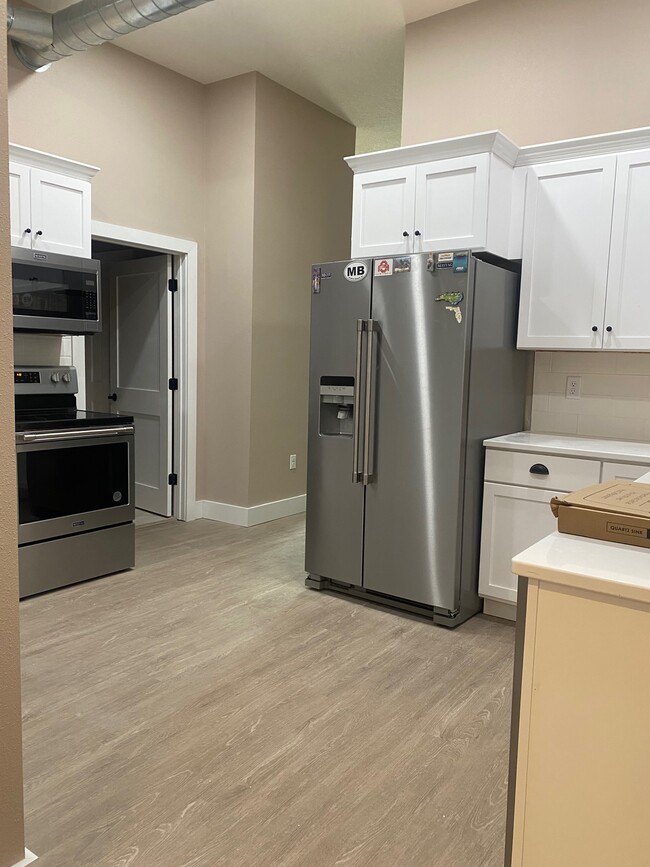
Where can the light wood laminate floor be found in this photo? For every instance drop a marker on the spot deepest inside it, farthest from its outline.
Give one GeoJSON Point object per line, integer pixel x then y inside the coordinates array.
{"type": "Point", "coordinates": [207, 709]}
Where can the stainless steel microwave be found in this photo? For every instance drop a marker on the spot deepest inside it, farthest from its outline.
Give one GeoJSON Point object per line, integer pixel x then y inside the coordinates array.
{"type": "Point", "coordinates": [55, 293]}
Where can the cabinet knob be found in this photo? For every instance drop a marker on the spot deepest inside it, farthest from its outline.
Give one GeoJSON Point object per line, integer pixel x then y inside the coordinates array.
{"type": "Point", "coordinates": [594, 328]}
{"type": "Point", "coordinates": [39, 233]}
{"type": "Point", "coordinates": [418, 233]}
{"type": "Point", "coordinates": [609, 328]}
{"type": "Point", "coordinates": [539, 470]}
{"type": "Point", "coordinates": [112, 397]}
{"type": "Point", "coordinates": [27, 231]}
{"type": "Point", "coordinates": [405, 234]}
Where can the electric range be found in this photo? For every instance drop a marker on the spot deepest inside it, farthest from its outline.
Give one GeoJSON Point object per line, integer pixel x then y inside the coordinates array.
{"type": "Point", "coordinates": [76, 489]}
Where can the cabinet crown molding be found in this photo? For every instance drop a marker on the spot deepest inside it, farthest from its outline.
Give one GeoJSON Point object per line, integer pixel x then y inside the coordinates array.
{"type": "Point", "coordinates": [50, 162]}
{"type": "Point", "coordinates": [587, 146]}
{"type": "Point", "coordinates": [467, 145]}
{"type": "Point", "coordinates": [501, 146]}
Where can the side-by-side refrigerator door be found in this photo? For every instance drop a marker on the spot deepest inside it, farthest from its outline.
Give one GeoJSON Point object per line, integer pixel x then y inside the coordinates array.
{"type": "Point", "coordinates": [340, 308]}
{"type": "Point", "coordinates": [413, 498]}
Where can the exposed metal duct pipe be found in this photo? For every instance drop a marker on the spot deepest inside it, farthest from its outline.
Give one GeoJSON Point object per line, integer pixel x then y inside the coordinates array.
{"type": "Point", "coordinates": [40, 39]}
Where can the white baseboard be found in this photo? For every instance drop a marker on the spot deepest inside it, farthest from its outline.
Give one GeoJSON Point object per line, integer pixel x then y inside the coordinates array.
{"type": "Point", "coordinates": [497, 608]}
{"type": "Point", "coordinates": [28, 859]}
{"type": "Point", "coordinates": [243, 516]}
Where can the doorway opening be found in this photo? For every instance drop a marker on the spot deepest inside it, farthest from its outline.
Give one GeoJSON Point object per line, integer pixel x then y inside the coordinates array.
{"type": "Point", "coordinates": [143, 362]}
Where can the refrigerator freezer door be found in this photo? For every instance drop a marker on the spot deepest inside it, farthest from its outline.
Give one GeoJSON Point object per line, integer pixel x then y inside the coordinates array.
{"type": "Point", "coordinates": [334, 541]}
{"type": "Point", "coordinates": [414, 501]}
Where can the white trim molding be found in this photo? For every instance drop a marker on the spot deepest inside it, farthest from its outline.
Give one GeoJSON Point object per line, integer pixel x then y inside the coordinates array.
{"type": "Point", "coordinates": [467, 145]}
{"type": "Point", "coordinates": [588, 146]}
{"type": "Point", "coordinates": [50, 162]}
{"type": "Point", "coordinates": [28, 859]}
{"type": "Point", "coordinates": [242, 516]}
{"type": "Point", "coordinates": [187, 348]}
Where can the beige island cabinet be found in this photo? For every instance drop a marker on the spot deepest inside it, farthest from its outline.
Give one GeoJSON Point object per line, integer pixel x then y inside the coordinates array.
{"type": "Point", "coordinates": [579, 791]}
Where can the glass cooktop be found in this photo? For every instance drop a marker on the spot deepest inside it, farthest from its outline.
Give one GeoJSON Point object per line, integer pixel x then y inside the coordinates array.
{"type": "Point", "coordinates": [66, 418]}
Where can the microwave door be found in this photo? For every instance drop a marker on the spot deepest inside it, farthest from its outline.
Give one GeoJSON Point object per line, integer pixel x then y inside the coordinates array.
{"type": "Point", "coordinates": [61, 294]}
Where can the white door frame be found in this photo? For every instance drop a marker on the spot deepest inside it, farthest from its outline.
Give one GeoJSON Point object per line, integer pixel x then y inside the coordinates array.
{"type": "Point", "coordinates": [185, 431]}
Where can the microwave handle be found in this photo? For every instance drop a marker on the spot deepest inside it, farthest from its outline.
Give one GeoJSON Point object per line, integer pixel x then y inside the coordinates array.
{"type": "Point", "coordinates": [84, 434]}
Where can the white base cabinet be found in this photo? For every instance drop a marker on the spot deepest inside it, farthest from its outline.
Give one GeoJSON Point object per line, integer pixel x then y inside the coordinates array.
{"type": "Point", "coordinates": [513, 519]}
{"type": "Point", "coordinates": [519, 486]}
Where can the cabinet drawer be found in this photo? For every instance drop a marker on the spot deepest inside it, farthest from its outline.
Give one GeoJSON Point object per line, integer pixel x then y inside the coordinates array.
{"type": "Point", "coordinates": [566, 474]}
{"type": "Point", "coordinates": [626, 472]}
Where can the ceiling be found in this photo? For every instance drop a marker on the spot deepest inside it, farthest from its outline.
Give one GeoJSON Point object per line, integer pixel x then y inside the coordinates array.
{"type": "Point", "coordinates": [344, 55]}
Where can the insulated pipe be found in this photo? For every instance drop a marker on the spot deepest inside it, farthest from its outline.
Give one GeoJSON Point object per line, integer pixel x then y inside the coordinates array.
{"type": "Point", "coordinates": [40, 39]}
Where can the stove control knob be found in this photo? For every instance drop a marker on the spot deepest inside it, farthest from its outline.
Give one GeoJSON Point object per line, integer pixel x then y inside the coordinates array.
{"type": "Point", "coordinates": [66, 377]}
{"type": "Point", "coordinates": [55, 377]}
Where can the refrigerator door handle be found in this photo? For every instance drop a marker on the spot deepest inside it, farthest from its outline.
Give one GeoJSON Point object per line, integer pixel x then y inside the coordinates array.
{"type": "Point", "coordinates": [356, 475]}
{"type": "Point", "coordinates": [371, 328]}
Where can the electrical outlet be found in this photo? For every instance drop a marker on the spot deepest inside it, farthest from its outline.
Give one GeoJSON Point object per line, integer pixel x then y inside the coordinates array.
{"type": "Point", "coordinates": [573, 385]}
{"type": "Point", "coordinates": [293, 462]}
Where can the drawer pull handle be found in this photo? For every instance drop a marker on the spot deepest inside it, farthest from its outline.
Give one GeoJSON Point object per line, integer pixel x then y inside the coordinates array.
{"type": "Point", "coordinates": [539, 470]}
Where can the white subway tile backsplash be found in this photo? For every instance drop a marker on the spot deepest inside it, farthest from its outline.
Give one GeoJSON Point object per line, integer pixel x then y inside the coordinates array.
{"type": "Point", "coordinates": [614, 428]}
{"type": "Point", "coordinates": [586, 362]}
{"type": "Point", "coordinates": [554, 422]}
{"type": "Point", "coordinates": [615, 394]}
{"type": "Point", "coordinates": [613, 385]}
{"type": "Point", "coordinates": [41, 349]}
{"type": "Point", "coordinates": [632, 362]}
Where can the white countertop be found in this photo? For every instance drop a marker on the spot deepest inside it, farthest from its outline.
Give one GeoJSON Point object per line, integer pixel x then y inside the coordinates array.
{"type": "Point", "coordinates": [622, 571]}
{"type": "Point", "coordinates": [584, 447]}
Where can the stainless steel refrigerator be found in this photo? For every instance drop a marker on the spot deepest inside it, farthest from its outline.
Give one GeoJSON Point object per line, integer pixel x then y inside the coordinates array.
{"type": "Point", "coordinates": [413, 365]}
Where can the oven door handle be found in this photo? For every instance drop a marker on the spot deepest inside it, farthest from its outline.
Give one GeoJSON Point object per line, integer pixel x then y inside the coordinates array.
{"type": "Point", "coordinates": [86, 433]}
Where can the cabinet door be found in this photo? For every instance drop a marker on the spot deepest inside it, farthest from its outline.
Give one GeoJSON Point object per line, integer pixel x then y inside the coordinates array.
{"type": "Point", "coordinates": [60, 209]}
{"type": "Point", "coordinates": [625, 472]}
{"type": "Point", "coordinates": [451, 202]}
{"type": "Point", "coordinates": [513, 520]}
{"type": "Point", "coordinates": [627, 311]}
{"type": "Point", "coordinates": [567, 227]}
{"type": "Point", "coordinates": [19, 205]}
{"type": "Point", "coordinates": [382, 212]}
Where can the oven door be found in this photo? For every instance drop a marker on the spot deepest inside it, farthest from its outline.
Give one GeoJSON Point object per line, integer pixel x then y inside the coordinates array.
{"type": "Point", "coordinates": [74, 481]}
{"type": "Point", "coordinates": [55, 293]}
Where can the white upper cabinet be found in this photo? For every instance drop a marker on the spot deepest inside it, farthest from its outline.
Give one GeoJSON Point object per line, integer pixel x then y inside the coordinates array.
{"type": "Point", "coordinates": [627, 309]}
{"type": "Point", "coordinates": [567, 227]}
{"type": "Point", "coordinates": [19, 206]}
{"type": "Point", "coordinates": [451, 203]}
{"type": "Point", "coordinates": [445, 195]}
{"type": "Point", "coordinates": [60, 211]}
{"type": "Point", "coordinates": [50, 203]}
{"type": "Point", "coordinates": [382, 212]}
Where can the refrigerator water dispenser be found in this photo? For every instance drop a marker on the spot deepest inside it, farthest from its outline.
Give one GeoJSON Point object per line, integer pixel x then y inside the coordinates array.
{"type": "Point", "coordinates": [336, 406]}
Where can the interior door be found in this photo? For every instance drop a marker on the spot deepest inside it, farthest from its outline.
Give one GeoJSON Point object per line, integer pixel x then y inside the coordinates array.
{"type": "Point", "coordinates": [627, 313]}
{"type": "Point", "coordinates": [141, 367]}
{"type": "Point", "coordinates": [413, 502]}
{"type": "Point", "coordinates": [60, 211]}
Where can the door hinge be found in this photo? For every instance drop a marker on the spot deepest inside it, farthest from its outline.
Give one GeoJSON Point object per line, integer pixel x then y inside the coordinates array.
{"type": "Point", "coordinates": [172, 284]}
{"type": "Point", "coordinates": [173, 384]}
{"type": "Point", "coordinates": [172, 479]}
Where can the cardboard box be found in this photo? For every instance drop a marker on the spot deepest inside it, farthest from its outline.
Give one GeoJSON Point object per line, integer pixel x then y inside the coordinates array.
{"type": "Point", "coordinates": [612, 511]}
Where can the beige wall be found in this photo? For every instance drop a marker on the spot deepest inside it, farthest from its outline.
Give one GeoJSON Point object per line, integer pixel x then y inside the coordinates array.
{"type": "Point", "coordinates": [279, 198]}
{"type": "Point", "coordinates": [303, 206]}
{"type": "Point", "coordinates": [11, 782]}
{"type": "Point", "coordinates": [226, 332]}
{"type": "Point", "coordinates": [538, 70]}
{"type": "Point", "coordinates": [236, 166]}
